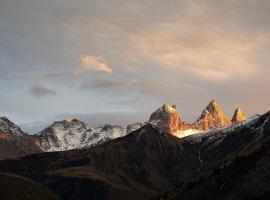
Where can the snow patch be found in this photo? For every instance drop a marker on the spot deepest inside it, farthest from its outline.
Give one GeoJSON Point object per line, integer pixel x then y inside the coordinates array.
{"type": "Point", "coordinates": [185, 133]}
{"type": "Point", "coordinates": [66, 135]}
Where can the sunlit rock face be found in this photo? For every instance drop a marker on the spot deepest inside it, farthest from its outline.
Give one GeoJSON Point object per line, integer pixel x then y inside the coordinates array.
{"type": "Point", "coordinates": [166, 119]}
{"type": "Point", "coordinates": [238, 116]}
{"type": "Point", "coordinates": [185, 125]}
{"type": "Point", "coordinates": [211, 117]}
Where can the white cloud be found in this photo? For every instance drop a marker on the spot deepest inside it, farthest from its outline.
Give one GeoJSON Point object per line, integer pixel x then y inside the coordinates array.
{"type": "Point", "coordinates": [93, 63]}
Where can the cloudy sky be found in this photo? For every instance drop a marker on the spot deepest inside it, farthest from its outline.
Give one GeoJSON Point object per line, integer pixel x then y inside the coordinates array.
{"type": "Point", "coordinates": [62, 57]}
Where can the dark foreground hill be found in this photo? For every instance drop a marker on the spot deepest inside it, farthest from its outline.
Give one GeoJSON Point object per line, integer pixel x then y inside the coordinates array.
{"type": "Point", "coordinates": [14, 187]}
{"type": "Point", "coordinates": [147, 163]}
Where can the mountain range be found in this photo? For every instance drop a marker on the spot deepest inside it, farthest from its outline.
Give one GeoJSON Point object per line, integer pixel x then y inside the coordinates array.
{"type": "Point", "coordinates": [164, 158]}
{"type": "Point", "coordinates": [74, 134]}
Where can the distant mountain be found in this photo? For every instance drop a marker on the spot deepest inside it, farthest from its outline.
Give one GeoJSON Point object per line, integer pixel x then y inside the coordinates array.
{"type": "Point", "coordinates": [9, 128]}
{"type": "Point", "coordinates": [228, 162]}
{"type": "Point", "coordinates": [166, 119]}
{"type": "Point", "coordinates": [60, 136]}
{"type": "Point", "coordinates": [238, 116]}
{"type": "Point", "coordinates": [14, 142]}
{"type": "Point", "coordinates": [211, 117]}
{"type": "Point", "coordinates": [74, 134]}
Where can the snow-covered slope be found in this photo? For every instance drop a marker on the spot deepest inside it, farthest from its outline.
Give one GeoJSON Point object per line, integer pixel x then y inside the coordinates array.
{"type": "Point", "coordinates": [74, 134]}
{"type": "Point", "coordinates": [219, 130]}
{"type": "Point", "coordinates": [185, 133]}
{"type": "Point", "coordinates": [222, 131]}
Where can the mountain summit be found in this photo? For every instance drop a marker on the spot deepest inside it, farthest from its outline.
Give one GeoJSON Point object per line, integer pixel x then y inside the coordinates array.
{"type": "Point", "coordinates": [74, 134]}
{"type": "Point", "coordinates": [211, 117]}
{"type": "Point", "coordinates": [166, 119]}
{"type": "Point", "coordinates": [8, 127]}
{"type": "Point", "coordinates": [14, 142]}
{"type": "Point", "coordinates": [238, 116]}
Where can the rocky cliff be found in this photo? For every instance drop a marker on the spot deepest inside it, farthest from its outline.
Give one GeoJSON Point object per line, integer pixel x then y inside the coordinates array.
{"type": "Point", "coordinates": [211, 117]}
{"type": "Point", "coordinates": [238, 116]}
{"type": "Point", "coordinates": [166, 119]}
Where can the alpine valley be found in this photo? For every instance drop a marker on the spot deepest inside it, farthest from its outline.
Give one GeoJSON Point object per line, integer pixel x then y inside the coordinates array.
{"type": "Point", "coordinates": [163, 158]}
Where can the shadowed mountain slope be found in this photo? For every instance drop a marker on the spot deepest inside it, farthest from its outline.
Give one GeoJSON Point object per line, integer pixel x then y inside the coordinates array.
{"type": "Point", "coordinates": [144, 163]}
{"type": "Point", "coordinates": [243, 171]}
{"type": "Point", "coordinates": [14, 187]}
{"type": "Point", "coordinates": [14, 142]}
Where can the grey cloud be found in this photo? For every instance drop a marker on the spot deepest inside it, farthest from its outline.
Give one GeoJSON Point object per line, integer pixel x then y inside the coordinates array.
{"type": "Point", "coordinates": [39, 91]}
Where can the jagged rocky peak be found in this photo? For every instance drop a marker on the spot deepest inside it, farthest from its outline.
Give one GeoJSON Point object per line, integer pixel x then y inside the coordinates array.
{"type": "Point", "coordinates": [62, 135]}
{"type": "Point", "coordinates": [166, 119]}
{"type": "Point", "coordinates": [14, 142]}
{"type": "Point", "coordinates": [211, 117]}
{"type": "Point", "coordinates": [8, 127]}
{"type": "Point", "coordinates": [238, 116]}
{"type": "Point", "coordinates": [214, 109]}
{"type": "Point", "coordinates": [75, 134]}
{"type": "Point", "coordinates": [69, 123]}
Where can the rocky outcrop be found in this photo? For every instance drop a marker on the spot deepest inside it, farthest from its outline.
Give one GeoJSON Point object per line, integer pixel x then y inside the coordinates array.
{"type": "Point", "coordinates": [166, 119]}
{"type": "Point", "coordinates": [238, 116]}
{"type": "Point", "coordinates": [211, 117]}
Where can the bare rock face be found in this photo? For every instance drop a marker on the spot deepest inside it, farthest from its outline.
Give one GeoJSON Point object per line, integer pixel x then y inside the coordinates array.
{"type": "Point", "coordinates": [185, 125]}
{"type": "Point", "coordinates": [238, 116]}
{"type": "Point", "coordinates": [211, 117]}
{"type": "Point", "coordinates": [166, 119]}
